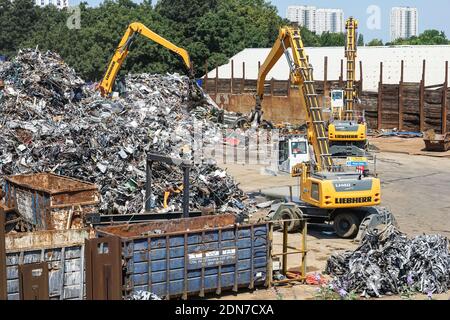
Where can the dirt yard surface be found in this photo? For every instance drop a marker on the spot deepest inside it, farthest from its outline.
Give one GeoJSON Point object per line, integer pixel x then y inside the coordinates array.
{"type": "Point", "coordinates": [412, 146]}
{"type": "Point", "coordinates": [415, 188]}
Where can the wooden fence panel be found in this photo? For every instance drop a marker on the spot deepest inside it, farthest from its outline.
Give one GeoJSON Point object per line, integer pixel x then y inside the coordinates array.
{"type": "Point", "coordinates": [390, 100]}
{"type": "Point", "coordinates": [433, 109]}
{"type": "Point", "coordinates": [448, 111]}
{"type": "Point", "coordinates": [369, 103]}
{"type": "Point", "coordinates": [411, 117]}
{"type": "Point", "coordinates": [390, 106]}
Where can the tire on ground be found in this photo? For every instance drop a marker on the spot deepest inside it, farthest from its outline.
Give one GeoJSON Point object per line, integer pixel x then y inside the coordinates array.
{"type": "Point", "coordinates": [346, 225]}
{"type": "Point", "coordinates": [288, 214]}
{"type": "Point", "coordinates": [241, 123]}
{"type": "Point", "coordinates": [267, 125]}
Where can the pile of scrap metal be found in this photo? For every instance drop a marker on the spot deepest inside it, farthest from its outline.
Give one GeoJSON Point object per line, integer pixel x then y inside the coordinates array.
{"type": "Point", "coordinates": [388, 262]}
{"type": "Point", "coordinates": [51, 121]}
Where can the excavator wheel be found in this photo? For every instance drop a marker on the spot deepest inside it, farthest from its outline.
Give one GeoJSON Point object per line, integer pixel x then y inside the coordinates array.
{"type": "Point", "coordinates": [375, 218]}
{"type": "Point", "coordinates": [267, 125]}
{"type": "Point", "coordinates": [289, 214]}
{"type": "Point", "coordinates": [346, 224]}
{"type": "Point", "coordinates": [242, 123]}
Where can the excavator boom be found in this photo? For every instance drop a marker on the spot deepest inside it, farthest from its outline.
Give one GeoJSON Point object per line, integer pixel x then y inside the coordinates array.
{"type": "Point", "coordinates": [350, 53]}
{"type": "Point", "coordinates": [301, 75]}
{"type": "Point", "coordinates": [348, 134]}
{"type": "Point", "coordinates": [122, 50]}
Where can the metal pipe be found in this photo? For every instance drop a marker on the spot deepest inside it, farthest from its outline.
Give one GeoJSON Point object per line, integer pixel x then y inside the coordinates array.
{"type": "Point", "coordinates": [186, 192]}
{"type": "Point", "coordinates": [304, 248]}
{"type": "Point", "coordinates": [3, 287]}
{"type": "Point", "coordinates": [148, 186]}
{"type": "Point", "coordinates": [285, 248]}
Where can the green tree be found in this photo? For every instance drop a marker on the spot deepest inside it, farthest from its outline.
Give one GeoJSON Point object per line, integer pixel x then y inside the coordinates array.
{"type": "Point", "coordinates": [328, 39]}
{"type": "Point", "coordinates": [231, 27]}
{"type": "Point", "coordinates": [17, 23]}
{"type": "Point", "coordinates": [210, 30]}
{"type": "Point", "coordinates": [310, 39]}
{"type": "Point", "coordinates": [361, 40]}
{"type": "Point", "coordinates": [428, 37]}
{"type": "Point", "coordinates": [375, 43]}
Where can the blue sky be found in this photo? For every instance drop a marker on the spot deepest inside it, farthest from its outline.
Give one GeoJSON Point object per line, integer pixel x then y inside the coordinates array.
{"type": "Point", "coordinates": [433, 14]}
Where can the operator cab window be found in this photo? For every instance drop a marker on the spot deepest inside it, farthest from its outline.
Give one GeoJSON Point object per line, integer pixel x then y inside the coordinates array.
{"type": "Point", "coordinates": [315, 191]}
{"type": "Point", "coordinates": [298, 148]}
{"type": "Point", "coordinates": [283, 152]}
{"type": "Point", "coordinates": [337, 95]}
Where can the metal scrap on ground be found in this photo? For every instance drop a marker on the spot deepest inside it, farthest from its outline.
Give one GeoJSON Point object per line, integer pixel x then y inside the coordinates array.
{"type": "Point", "coordinates": [144, 295]}
{"type": "Point", "coordinates": [389, 262]}
{"type": "Point", "coordinates": [51, 121]}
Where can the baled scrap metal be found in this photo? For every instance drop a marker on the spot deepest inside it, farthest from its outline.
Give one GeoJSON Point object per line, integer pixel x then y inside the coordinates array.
{"type": "Point", "coordinates": [390, 263]}
{"type": "Point", "coordinates": [48, 125]}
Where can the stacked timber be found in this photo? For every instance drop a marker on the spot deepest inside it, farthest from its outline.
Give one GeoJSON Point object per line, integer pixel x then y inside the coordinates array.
{"type": "Point", "coordinates": [448, 111]}
{"type": "Point", "coordinates": [369, 103]}
{"type": "Point", "coordinates": [390, 106]}
{"type": "Point", "coordinates": [433, 109]}
{"type": "Point", "coordinates": [411, 100]}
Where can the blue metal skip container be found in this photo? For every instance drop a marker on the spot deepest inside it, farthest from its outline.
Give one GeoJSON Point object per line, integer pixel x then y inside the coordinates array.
{"type": "Point", "coordinates": [190, 257]}
{"type": "Point", "coordinates": [63, 251]}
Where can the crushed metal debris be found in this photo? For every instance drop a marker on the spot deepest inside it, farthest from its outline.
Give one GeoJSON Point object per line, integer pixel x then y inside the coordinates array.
{"type": "Point", "coordinates": [144, 295]}
{"type": "Point", "coordinates": [388, 262]}
{"type": "Point", "coordinates": [51, 121]}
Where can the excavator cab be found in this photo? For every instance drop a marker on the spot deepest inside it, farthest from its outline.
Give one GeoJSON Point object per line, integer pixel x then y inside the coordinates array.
{"type": "Point", "coordinates": [347, 132]}
{"type": "Point", "coordinates": [348, 138]}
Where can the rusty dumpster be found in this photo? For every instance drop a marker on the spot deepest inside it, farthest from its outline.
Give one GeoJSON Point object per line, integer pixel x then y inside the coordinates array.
{"type": "Point", "coordinates": [437, 142]}
{"type": "Point", "coordinates": [46, 201]}
{"type": "Point", "coordinates": [46, 265]}
{"type": "Point", "coordinates": [192, 256]}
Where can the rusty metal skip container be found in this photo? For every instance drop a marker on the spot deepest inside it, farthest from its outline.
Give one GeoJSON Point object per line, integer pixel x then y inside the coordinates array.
{"type": "Point", "coordinates": [194, 256]}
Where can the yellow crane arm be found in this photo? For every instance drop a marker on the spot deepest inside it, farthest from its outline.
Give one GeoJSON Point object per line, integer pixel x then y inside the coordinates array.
{"type": "Point", "coordinates": [107, 83]}
{"type": "Point", "coordinates": [275, 54]}
{"type": "Point", "coordinates": [351, 27]}
{"type": "Point", "coordinates": [301, 75]}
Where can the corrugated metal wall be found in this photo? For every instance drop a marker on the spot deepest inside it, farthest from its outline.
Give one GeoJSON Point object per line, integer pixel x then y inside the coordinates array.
{"type": "Point", "coordinates": [198, 262]}
{"type": "Point", "coordinates": [66, 271]}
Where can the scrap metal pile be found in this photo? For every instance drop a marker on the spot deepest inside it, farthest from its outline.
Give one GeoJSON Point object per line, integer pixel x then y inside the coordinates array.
{"type": "Point", "coordinates": [389, 263]}
{"type": "Point", "coordinates": [51, 121]}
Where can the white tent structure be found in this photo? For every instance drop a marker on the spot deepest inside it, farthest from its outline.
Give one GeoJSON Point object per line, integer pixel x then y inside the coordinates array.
{"type": "Point", "coordinates": [371, 57]}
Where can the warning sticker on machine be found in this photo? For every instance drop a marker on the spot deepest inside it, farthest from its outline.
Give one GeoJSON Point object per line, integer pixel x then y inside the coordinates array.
{"type": "Point", "coordinates": [211, 258]}
{"type": "Point", "coordinates": [356, 161]}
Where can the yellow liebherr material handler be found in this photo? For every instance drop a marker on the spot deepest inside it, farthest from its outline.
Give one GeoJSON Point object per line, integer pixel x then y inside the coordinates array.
{"type": "Point", "coordinates": [347, 134]}
{"type": "Point", "coordinates": [327, 192]}
{"type": "Point", "coordinates": [107, 83]}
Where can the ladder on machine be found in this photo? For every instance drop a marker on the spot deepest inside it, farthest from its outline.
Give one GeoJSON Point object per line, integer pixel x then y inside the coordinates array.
{"type": "Point", "coordinates": [350, 54]}
{"type": "Point", "coordinates": [301, 67]}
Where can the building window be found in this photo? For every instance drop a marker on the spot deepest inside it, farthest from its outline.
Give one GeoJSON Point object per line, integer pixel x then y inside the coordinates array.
{"type": "Point", "coordinates": [59, 3]}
